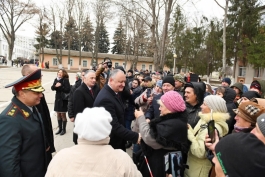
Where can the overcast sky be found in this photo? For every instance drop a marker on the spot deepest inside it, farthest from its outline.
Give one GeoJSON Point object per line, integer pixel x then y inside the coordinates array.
{"type": "Point", "coordinates": [208, 8]}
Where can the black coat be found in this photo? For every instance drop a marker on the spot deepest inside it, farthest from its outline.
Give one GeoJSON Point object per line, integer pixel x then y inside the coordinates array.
{"type": "Point", "coordinates": [22, 142]}
{"type": "Point", "coordinates": [108, 99]}
{"type": "Point", "coordinates": [153, 111]}
{"type": "Point", "coordinates": [60, 105]}
{"type": "Point", "coordinates": [170, 131]}
{"type": "Point", "coordinates": [83, 98]}
{"type": "Point", "coordinates": [46, 119]}
{"type": "Point", "coordinates": [70, 106]}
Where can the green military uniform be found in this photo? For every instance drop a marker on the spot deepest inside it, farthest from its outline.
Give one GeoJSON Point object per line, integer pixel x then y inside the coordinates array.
{"type": "Point", "coordinates": [22, 138]}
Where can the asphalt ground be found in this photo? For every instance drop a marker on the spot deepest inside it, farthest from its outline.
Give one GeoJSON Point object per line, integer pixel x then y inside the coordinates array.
{"type": "Point", "coordinates": [9, 75]}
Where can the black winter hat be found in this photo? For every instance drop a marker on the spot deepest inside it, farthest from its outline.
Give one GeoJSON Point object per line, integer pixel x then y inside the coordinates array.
{"type": "Point", "coordinates": [120, 68]}
{"type": "Point", "coordinates": [251, 94]}
{"type": "Point", "coordinates": [130, 71]}
{"type": "Point", "coordinates": [241, 154]}
{"type": "Point", "coordinates": [170, 80]}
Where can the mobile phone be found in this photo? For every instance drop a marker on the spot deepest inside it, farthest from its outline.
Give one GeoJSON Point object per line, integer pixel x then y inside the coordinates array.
{"type": "Point", "coordinates": [211, 128]}
{"type": "Point", "coordinates": [137, 107]}
{"type": "Point", "coordinates": [148, 93]}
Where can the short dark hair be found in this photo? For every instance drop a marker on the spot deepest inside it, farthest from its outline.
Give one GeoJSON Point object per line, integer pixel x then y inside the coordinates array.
{"type": "Point", "coordinates": [138, 81]}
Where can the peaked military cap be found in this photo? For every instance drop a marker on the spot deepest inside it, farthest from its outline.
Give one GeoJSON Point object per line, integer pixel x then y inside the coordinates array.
{"type": "Point", "coordinates": [30, 82]}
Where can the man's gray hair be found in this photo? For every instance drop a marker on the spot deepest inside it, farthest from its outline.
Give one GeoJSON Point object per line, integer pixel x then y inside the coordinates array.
{"type": "Point", "coordinates": [114, 72]}
{"type": "Point", "coordinates": [89, 71]}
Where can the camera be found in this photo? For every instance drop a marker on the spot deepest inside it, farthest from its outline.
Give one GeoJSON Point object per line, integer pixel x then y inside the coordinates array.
{"type": "Point", "coordinates": [108, 62]}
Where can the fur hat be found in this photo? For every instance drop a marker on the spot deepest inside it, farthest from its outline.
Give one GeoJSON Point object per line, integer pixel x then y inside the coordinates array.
{"type": "Point", "coordinates": [93, 124]}
{"type": "Point", "coordinates": [227, 80]}
{"type": "Point", "coordinates": [241, 154]}
{"type": "Point", "coordinates": [249, 111]}
{"type": "Point", "coordinates": [170, 80]}
{"type": "Point", "coordinates": [179, 78]}
{"type": "Point", "coordinates": [173, 101]}
{"type": "Point", "coordinates": [216, 103]}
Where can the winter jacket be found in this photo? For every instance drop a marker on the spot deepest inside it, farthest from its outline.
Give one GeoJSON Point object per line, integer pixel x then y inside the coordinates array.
{"type": "Point", "coordinates": [199, 89]}
{"type": "Point", "coordinates": [229, 97]}
{"type": "Point", "coordinates": [92, 158]}
{"type": "Point", "coordinates": [153, 111]}
{"type": "Point", "coordinates": [143, 102]}
{"type": "Point", "coordinates": [199, 165]}
{"type": "Point", "coordinates": [129, 112]}
{"type": "Point", "coordinates": [162, 135]}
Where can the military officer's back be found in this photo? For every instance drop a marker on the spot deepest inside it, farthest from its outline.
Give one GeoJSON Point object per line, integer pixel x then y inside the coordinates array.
{"type": "Point", "coordinates": [22, 141]}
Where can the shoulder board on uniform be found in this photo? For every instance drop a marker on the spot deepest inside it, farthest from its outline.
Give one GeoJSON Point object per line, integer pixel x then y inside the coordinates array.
{"type": "Point", "coordinates": [12, 111]}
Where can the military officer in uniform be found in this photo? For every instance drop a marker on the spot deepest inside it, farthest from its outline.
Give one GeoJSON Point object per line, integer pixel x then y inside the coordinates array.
{"type": "Point", "coordinates": [22, 136]}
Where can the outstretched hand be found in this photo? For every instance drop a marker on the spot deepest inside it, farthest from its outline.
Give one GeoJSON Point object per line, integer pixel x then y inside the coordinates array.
{"type": "Point", "coordinates": [208, 141]}
{"type": "Point", "coordinates": [138, 113]}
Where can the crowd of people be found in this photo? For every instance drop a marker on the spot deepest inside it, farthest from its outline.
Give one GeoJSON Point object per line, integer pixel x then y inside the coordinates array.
{"type": "Point", "coordinates": [176, 125]}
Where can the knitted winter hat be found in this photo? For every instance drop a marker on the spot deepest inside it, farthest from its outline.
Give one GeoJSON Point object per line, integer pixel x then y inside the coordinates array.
{"type": "Point", "coordinates": [241, 154]}
{"type": "Point", "coordinates": [170, 80]}
{"type": "Point", "coordinates": [216, 103]}
{"type": "Point", "coordinates": [159, 83]}
{"type": "Point", "coordinates": [261, 123]}
{"type": "Point", "coordinates": [173, 101]}
{"type": "Point", "coordinates": [249, 111]}
{"type": "Point", "coordinates": [179, 78]}
{"type": "Point", "coordinates": [227, 80]}
{"type": "Point", "coordinates": [93, 124]}
{"type": "Point", "coordinates": [256, 85]}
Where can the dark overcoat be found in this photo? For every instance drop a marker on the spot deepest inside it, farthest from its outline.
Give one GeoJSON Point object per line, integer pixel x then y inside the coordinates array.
{"type": "Point", "coordinates": [22, 142]}
{"type": "Point", "coordinates": [112, 102]}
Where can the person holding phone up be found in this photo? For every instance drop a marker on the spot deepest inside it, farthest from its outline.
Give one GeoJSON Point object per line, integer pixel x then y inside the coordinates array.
{"type": "Point", "coordinates": [214, 110]}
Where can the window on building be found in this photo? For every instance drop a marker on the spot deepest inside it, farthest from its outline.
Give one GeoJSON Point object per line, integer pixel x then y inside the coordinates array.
{"type": "Point", "coordinates": [143, 66]}
{"type": "Point", "coordinates": [84, 63]}
{"type": "Point", "coordinates": [54, 62]}
{"type": "Point", "coordinates": [116, 64]}
{"type": "Point", "coordinates": [258, 72]}
{"type": "Point", "coordinates": [71, 62]}
{"type": "Point", "coordinates": [242, 71]}
{"type": "Point", "coordinates": [150, 68]}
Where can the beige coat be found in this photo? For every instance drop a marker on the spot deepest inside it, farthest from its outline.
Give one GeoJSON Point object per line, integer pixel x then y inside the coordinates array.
{"type": "Point", "coordinates": [199, 165]}
{"type": "Point", "coordinates": [92, 159]}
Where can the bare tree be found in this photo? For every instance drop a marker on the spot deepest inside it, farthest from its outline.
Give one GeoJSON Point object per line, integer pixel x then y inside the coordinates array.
{"type": "Point", "coordinates": [224, 35]}
{"type": "Point", "coordinates": [79, 15]}
{"type": "Point", "coordinates": [13, 14]}
{"type": "Point", "coordinates": [102, 13]}
{"type": "Point", "coordinates": [58, 14]}
{"type": "Point", "coordinates": [157, 22]}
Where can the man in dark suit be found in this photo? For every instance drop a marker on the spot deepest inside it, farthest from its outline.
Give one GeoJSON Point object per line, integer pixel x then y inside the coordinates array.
{"type": "Point", "coordinates": [85, 95]}
{"type": "Point", "coordinates": [109, 98]}
{"type": "Point", "coordinates": [22, 137]}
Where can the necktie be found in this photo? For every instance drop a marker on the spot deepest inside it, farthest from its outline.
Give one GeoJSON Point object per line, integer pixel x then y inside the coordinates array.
{"type": "Point", "coordinates": [91, 93]}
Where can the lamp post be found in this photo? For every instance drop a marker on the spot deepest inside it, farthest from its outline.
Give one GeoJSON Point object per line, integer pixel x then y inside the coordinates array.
{"type": "Point", "coordinates": [174, 64]}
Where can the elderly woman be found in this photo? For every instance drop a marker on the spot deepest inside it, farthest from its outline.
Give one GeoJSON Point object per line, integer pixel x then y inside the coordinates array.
{"type": "Point", "coordinates": [246, 116]}
{"type": "Point", "coordinates": [199, 165]}
{"type": "Point", "coordinates": [164, 134]}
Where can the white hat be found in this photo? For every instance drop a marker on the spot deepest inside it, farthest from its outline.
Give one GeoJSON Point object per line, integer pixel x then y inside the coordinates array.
{"type": "Point", "coordinates": [93, 124]}
{"type": "Point", "coordinates": [216, 103]}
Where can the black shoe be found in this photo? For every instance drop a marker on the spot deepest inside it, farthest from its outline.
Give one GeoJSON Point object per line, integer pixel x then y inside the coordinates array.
{"type": "Point", "coordinates": [58, 132]}
{"type": "Point", "coordinates": [128, 145]}
{"type": "Point", "coordinates": [62, 132]}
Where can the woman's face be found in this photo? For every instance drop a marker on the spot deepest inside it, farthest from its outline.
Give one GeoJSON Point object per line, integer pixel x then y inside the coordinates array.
{"type": "Point", "coordinates": [163, 109]}
{"type": "Point", "coordinates": [205, 109]}
{"type": "Point", "coordinates": [242, 123]}
{"type": "Point", "coordinates": [60, 74]}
